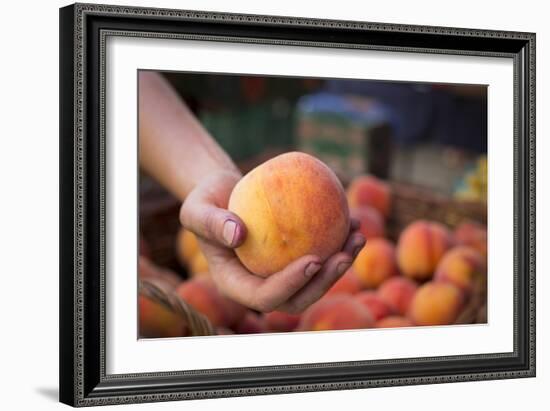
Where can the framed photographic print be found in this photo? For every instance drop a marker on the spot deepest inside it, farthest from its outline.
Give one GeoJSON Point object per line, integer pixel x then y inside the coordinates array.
{"type": "Point", "coordinates": [261, 204]}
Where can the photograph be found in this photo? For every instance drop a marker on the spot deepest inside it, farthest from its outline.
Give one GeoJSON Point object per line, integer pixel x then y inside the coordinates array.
{"type": "Point", "coordinates": [279, 204]}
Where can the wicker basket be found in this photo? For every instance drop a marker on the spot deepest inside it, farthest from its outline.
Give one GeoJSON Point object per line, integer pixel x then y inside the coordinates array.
{"type": "Point", "coordinates": [159, 221]}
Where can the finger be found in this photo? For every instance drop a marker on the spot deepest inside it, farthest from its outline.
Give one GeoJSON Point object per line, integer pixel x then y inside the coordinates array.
{"type": "Point", "coordinates": [331, 272]}
{"type": "Point", "coordinates": [354, 224]}
{"type": "Point", "coordinates": [279, 287]}
{"type": "Point", "coordinates": [212, 223]}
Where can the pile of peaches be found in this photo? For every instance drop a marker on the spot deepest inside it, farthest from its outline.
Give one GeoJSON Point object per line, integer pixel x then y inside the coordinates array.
{"type": "Point", "coordinates": [424, 278]}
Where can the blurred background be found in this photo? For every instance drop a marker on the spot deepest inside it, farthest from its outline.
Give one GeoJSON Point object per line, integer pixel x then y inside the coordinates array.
{"type": "Point", "coordinates": [424, 145]}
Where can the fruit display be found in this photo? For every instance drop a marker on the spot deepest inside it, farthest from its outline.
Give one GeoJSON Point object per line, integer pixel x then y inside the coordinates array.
{"type": "Point", "coordinates": [424, 273]}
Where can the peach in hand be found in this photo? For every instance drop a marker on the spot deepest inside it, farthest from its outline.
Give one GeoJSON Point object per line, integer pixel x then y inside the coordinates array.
{"type": "Point", "coordinates": [292, 205]}
{"type": "Point", "coordinates": [420, 247]}
{"type": "Point", "coordinates": [436, 303]}
{"type": "Point", "coordinates": [375, 263]}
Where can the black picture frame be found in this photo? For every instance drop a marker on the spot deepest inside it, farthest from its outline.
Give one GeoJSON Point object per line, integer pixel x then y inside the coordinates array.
{"type": "Point", "coordinates": [83, 29]}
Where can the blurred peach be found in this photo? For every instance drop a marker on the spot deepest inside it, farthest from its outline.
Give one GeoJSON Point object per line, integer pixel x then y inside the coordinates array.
{"type": "Point", "coordinates": [374, 303]}
{"type": "Point", "coordinates": [472, 234]}
{"type": "Point", "coordinates": [371, 221]}
{"type": "Point", "coordinates": [375, 263]}
{"type": "Point", "coordinates": [436, 303]}
{"type": "Point", "coordinates": [278, 321]}
{"type": "Point", "coordinates": [420, 247]}
{"type": "Point", "coordinates": [187, 246]}
{"type": "Point", "coordinates": [368, 190]}
{"type": "Point", "coordinates": [347, 284]}
{"type": "Point", "coordinates": [341, 312]}
{"type": "Point", "coordinates": [394, 321]}
{"type": "Point", "coordinates": [158, 321]}
{"type": "Point", "coordinates": [461, 266]}
{"type": "Point", "coordinates": [251, 323]}
{"type": "Point", "coordinates": [398, 292]}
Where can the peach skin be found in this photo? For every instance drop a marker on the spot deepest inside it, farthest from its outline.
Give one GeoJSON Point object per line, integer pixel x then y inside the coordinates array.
{"type": "Point", "coordinates": [376, 306]}
{"type": "Point", "coordinates": [394, 321]}
{"type": "Point", "coordinates": [460, 266]}
{"type": "Point", "coordinates": [347, 284]}
{"type": "Point", "coordinates": [371, 221]}
{"type": "Point", "coordinates": [278, 321]}
{"type": "Point", "coordinates": [292, 205]}
{"type": "Point", "coordinates": [375, 263]}
{"type": "Point", "coordinates": [420, 247]}
{"type": "Point", "coordinates": [370, 191]}
{"type": "Point", "coordinates": [472, 234]}
{"type": "Point", "coordinates": [398, 293]}
{"type": "Point", "coordinates": [158, 321]}
{"type": "Point", "coordinates": [340, 312]}
{"type": "Point", "coordinates": [436, 303]}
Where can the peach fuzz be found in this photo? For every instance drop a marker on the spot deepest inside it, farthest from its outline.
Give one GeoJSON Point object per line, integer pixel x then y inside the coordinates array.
{"type": "Point", "coordinates": [420, 247]}
{"type": "Point", "coordinates": [394, 321]}
{"type": "Point", "coordinates": [187, 246]}
{"type": "Point", "coordinates": [278, 321]}
{"type": "Point", "coordinates": [340, 312]}
{"type": "Point", "coordinates": [370, 191]}
{"type": "Point", "coordinates": [203, 296]}
{"type": "Point", "coordinates": [436, 303]}
{"type": "Point", "coordinates": [375, 263]}
{"type": "Point", "coordinates": [347, 284]}
{"type": "Point", "coordinates": [376, 306]}
{"type": "Point", "coordinates": [472, 234]}
{"type": "Point", "coordinates": [292, 205]}
{"type": "Point", "coordinates": [398, 293]}
{"type": "Point", "coordinates": [371, 221]}
{"type": "Point", "coordinates": [461, 266]}
{"type": "Point", "coordinates": [158, 321]}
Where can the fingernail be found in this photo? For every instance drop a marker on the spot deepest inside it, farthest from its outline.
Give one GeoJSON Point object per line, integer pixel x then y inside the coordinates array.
{"type": "Point", "coordinates": [229, 231]}
{"type": "Point", "coordinates": [343, 267]}
{"type": "Point", "coordinates": [311, 269]}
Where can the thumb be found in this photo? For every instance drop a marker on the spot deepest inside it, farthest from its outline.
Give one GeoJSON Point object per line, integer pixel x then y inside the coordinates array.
{"type": "Point", "coordinates": [212, 223]}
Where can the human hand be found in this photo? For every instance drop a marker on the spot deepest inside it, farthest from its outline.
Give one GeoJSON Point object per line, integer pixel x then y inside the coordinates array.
{"type": "Point", "coordinates": [291, 290]}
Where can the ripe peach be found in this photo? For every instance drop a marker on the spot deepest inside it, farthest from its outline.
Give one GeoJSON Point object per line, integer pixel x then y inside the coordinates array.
{"type": "Point", "coordinates": [203, 296]}
{"type": "Point", "coordinates": [187, 246]}
{"type": "Point", "coordinates": [375, 263]}
{"type": "Point", "coordinates": [398, 293]}
{"type": "Point", "coordinates": [251, 323]}
{"type": "Point", "coordinates": [420, 247]}
{"type": "Point", "coordinates": [347, 284]}
{"type": "Point", "coordinates": [394, 321]}
{"type": "Point", "coordinates": [278, 321]}
{"type": "Point", "coordinates": [472, 234]}
{"type": "Point", "coordinates": [158, 321]}
{"type": "Point", "coordinates": [292, 205]}
{"type": "Point", "coordinates": [460, 266]}
{"type": "Point", "coordinates": [341, 312]}
{"type": "Point", "coordinates": [370, 191]}
{"type": "Point", "coordinates": [376, 306]}
{"type": "Point", "coordinates": [436, 303]}
{"type": "Point", "coordinates": [371, 221]}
